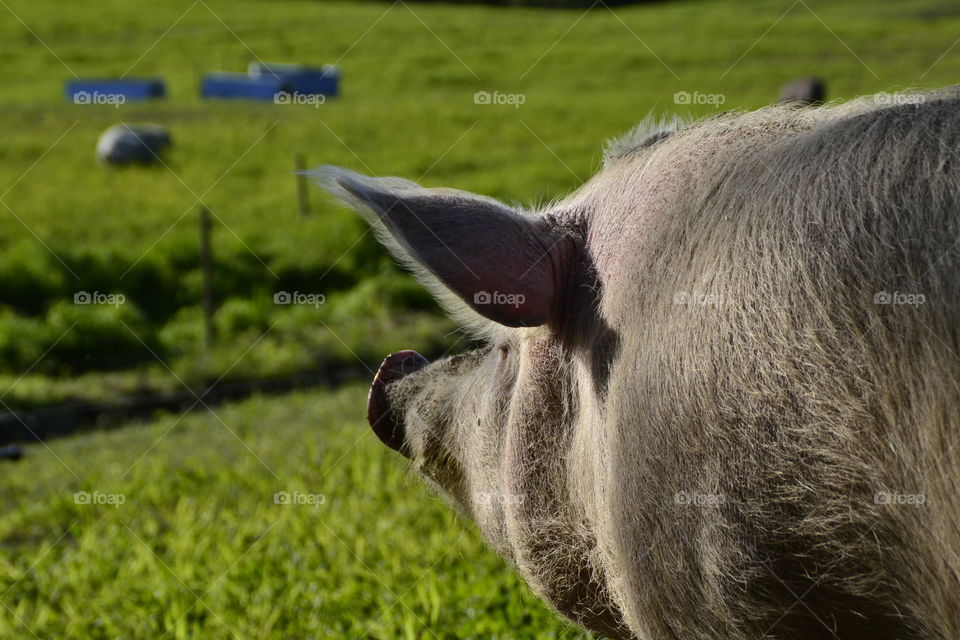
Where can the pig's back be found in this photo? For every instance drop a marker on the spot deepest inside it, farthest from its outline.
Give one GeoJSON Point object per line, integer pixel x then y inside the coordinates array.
{"type": "Point", "coordinates": [782, 410]}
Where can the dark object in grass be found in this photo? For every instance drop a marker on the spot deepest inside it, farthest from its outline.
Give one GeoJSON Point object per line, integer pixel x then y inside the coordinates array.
{"type": "Point", "coordinates": [803, 91]}
{"type": "Point", "coordinates": [11, 452]}
{"type": "Point", "coordinates": [127, 143]}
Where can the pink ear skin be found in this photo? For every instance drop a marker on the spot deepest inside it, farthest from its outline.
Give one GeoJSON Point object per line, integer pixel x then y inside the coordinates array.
{"type": "Point", "coordinates": [507, 266]}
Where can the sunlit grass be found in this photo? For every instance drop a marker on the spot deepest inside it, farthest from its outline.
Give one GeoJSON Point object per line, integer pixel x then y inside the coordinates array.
{"type": "Point", "coordinates": [199, 548]}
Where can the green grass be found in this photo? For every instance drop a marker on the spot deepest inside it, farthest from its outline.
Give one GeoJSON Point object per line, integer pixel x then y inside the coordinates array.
{"type": "Point", "coordinates": [379, 558]}
{"type": "Point", "coordinates": [409, 77]}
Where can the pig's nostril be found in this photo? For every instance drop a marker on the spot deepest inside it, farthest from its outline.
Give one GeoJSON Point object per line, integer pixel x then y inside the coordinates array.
{"type": "Point", "coordinates": [385, 423]}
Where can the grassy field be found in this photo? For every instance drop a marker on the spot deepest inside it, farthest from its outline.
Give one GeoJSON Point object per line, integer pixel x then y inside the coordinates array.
{"type": "Point", "coordinates": [379, 558]}
{"type": "Point", "coordinates": [189, 541]}
{"type": "Point", "coordinates": [410, 73]}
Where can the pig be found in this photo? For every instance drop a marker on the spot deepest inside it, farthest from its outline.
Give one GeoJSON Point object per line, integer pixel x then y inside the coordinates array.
{"type": "Point", "coordinates": [719, 392]}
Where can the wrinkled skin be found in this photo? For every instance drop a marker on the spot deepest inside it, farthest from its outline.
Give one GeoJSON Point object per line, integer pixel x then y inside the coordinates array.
{"type": "Point", "coordinates": [681, 427]}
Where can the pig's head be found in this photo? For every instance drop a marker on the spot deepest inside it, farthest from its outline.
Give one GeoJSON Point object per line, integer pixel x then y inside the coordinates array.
{"type": "Point", "coordinates": [490, 427]}
{"type": "Point", "coordinates": [501, 272]}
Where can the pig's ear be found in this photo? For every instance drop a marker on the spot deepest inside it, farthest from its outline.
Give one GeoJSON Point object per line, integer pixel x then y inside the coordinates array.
{"type": "Point", "coordinates": [503, 264]}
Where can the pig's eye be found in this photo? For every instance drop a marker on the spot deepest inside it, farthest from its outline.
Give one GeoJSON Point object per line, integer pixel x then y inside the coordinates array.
{"type": "Point", "coordinates": [504, 368]}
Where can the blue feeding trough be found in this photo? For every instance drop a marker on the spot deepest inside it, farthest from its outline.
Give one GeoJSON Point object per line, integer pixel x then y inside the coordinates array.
{"type": "Point", "coordinates": [114, 90]}
{"type": "Point", "coordinates": [264, 81]}
{"type": "Point", "coordinates": [240, 85]}
{"type": "Point", "coordinates": [324, 80]}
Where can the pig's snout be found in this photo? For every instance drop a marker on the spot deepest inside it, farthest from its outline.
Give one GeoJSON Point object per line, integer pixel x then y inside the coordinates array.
{"type": "Point", "coordinates": [386, 425]}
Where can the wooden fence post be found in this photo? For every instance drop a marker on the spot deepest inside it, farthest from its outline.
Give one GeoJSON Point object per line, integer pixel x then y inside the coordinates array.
{"type": "Point", "coordinates": [206, 267]}
{"type": "Point", "coordinates": [303, 189]}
